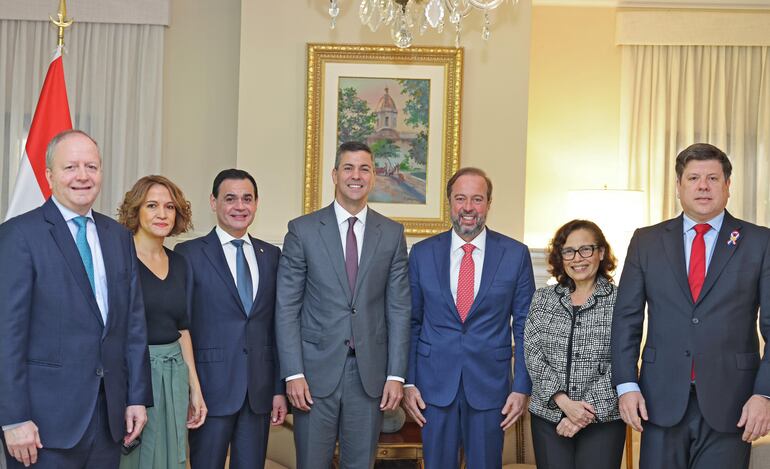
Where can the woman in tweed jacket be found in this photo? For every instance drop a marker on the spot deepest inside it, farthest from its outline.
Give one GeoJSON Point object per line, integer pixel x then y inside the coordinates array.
{"type": "Point", "coordinates": [575, 419]}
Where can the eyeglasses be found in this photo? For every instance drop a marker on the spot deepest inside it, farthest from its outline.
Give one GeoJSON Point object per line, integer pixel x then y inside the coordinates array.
{"type": "Point", "coordinates": [585, 252]}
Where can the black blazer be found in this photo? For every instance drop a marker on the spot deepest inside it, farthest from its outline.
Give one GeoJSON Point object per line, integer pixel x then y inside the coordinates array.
{"type": "Point", "coordinates": [234, 352]}
{"type": "Point", "coordinates": [719, 331]}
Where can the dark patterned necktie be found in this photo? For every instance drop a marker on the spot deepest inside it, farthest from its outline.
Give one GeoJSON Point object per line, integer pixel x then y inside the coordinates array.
{"type": "Point", "coordinates": [351, 255]}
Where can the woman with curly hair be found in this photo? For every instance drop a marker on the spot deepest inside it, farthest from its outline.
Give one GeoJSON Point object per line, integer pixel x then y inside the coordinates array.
{"type": "Point", "coordinates": [575, 418]}
{"type": "Point", "coordinates": [154, 209]}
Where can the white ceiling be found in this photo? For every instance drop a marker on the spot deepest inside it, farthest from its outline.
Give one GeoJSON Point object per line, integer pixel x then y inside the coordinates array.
{"type": "Point", "coordinates": [719, 4]}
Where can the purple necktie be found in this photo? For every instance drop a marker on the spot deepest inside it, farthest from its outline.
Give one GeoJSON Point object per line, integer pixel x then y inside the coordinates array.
{"type": "Point", "coordinates": [351, 255]}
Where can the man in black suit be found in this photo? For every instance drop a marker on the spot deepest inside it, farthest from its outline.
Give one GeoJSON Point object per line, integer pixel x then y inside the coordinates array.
{"type": "Point", "coordinates": [702, 276]}
{"type": "Point", "coordinates": [232, 308]}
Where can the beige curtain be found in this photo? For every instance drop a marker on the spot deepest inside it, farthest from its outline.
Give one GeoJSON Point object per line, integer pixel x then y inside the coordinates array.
{"type": "Point", "coordinates": [673, 96]}
{"type": "Point", "coordinates": [114, 75]}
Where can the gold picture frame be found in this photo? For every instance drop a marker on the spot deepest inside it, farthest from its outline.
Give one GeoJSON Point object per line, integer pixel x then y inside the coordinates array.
{"type": "Point", "coordinates": [415, 154]}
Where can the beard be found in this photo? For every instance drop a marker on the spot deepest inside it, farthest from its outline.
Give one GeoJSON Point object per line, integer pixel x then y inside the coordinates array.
{"type": "Point", "coordinates": [468, 231]}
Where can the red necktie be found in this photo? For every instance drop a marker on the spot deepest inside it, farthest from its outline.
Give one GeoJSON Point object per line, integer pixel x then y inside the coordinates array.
{"type": "Point", "coordinates": [465, 282]}
{"type": "Point", "coordinates": [697, 273]}
{"type": "Point", "coordinates": [698, 261]}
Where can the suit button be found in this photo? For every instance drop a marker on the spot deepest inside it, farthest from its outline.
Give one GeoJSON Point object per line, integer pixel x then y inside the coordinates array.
{"type": "Point", "coordinates": [577, 324]}
{"type": "Point", "coordinates": [695, 321]}
{"type": "Point", "coordinates": [574, 388]}
{"type": "Point", "coordinates": [686, 353]}
{"type": "Point", "coordinates": [353, 311]}
{"type": "Point", "coordinates": [99, 372]}
{"type": "Point", "coordinates": [577, 354]}
{"type": "Point", "coordinates": [245, 351]}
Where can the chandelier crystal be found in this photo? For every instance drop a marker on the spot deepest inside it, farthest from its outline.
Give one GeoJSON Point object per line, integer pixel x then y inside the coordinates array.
{"type": "Point", "coordinates": [407, 17]}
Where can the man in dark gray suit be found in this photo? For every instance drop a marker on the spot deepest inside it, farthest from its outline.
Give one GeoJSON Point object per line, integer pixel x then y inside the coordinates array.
{"type": "Point", "coordinates": [342, 319]}
{"type": "Point", "coordinates": [703, 389]}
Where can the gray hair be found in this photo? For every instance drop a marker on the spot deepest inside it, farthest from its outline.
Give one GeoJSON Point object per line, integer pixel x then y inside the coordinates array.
{"type": "Point", "coordinates": [61, 136]}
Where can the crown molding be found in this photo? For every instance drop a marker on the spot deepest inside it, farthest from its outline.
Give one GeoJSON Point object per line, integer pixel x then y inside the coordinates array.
{"type": "Point", "coordinates": [690, 4]}
{"type": "Point", "coordinates": [156, 12]}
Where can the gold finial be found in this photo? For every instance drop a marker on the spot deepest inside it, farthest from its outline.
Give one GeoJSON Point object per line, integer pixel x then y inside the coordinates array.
{"type": "Point", "coordinates": [61, 21]}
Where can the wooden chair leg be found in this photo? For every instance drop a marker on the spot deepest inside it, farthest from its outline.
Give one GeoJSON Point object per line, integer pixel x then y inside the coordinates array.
{"type": "Point", "coordinates": [629, 448]}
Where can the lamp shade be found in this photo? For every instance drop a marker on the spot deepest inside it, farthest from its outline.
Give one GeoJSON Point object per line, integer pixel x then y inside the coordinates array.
{"type": "Point", "coordinates": [617, 212]}
{"type": "Point", "coordinates": [613, 210]}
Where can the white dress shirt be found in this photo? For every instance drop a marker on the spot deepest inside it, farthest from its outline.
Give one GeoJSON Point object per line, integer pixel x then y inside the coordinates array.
{"type": "Point", "coordinates": [358, 228]}
{"type": "Point", "coordinates": [456, 254]}
{"type": "Point", "coordinates": [100, 273]}
{"type": "Point", "coordinates": [230, 252]}
{"type": "Point", "coordinates": [342, 223]}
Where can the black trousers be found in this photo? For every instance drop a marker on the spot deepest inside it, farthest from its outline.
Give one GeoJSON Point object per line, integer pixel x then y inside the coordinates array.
{"type": "Point", "coordinates": [95, 450]}
{"type": "Point", "coordinates": [692, 444]}
{"type": "Point", "coordinates": [245, 433]}
{"type": "Point", "coordinates": [598, 446]}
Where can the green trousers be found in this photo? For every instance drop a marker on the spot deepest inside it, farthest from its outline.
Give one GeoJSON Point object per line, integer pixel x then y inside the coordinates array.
{"type": "Point", "coordinates": [164, 438]}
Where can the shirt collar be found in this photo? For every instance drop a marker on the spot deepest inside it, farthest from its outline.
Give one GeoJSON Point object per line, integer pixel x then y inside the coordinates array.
{"type": "Point", "coordinates": [716, 222]}
{"type": "Point", "coordinates": [69, 214]}
{"type": "Point", "coordinates": [480, 241]}
{"type": "Point", "coordinates": [225, 237]}
{"type": "Point", "coordinates": [343, 215]}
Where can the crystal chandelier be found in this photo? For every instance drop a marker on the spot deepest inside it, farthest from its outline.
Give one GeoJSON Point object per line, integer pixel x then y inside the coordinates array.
{"type": "Point", "coordinates": [406, 16]}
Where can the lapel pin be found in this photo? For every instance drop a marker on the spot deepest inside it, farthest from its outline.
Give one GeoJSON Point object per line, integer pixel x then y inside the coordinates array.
{"type": "Point", "coordinates": [261, 250]}
{"type": "Point", "coordinates": [733, 241]}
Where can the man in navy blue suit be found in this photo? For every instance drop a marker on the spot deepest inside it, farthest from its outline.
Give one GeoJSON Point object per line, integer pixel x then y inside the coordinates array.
{"type": "Point", "coordinates": [232, 306]}
{"type": "Point", "coordinates": [74, 368]}
{"type": "Point", "coordinates": [468, 286]}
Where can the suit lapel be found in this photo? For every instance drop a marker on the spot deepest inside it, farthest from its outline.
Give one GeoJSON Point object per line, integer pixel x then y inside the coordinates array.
{"type": "Point", "coordinates": [330, 235]}
{"type": "Point", "coordinates": [442, 256]}
{"type": "Point", "coordinates": [63, 238]}
{"type": "Point", "coordinates": [492, 257]}
{"type": "Point", "coordinates": [372, 235]}
{"type": "Point", "coordinates": [216, 256]}
{"type": "Point", "coordinates": [673, 245]}
{"type": "Point", "coordinates": [722, 253]}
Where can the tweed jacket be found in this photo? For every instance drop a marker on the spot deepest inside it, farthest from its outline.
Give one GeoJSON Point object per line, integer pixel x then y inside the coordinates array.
{"type": "Point", "coordinates": [551, 331]}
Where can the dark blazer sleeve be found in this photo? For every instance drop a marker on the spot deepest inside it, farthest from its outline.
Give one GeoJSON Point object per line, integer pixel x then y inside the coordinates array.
{"type": "Point", "coordinates": [137, 353]}
{"type": "Point", "coordinates": [417, 312]}
{"type": "Point", "coordinates": [279, 384]}
{"type": "Point", "coordinates": [522, 297]}
{"type": "Point", "coordinates": [762, 381]}
{"type": "Point", "coordinates": [628, 317]}
{"type": "Point", "coordinates": [189, 283]}
{"type": "Point", "coordinates": [17, 273]}
{"type": "Point", "coordinates": [182, 249]}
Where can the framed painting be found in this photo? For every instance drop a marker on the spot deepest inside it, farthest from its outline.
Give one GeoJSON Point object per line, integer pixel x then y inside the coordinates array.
{"type": "Point", "coordinates": [403, 103]}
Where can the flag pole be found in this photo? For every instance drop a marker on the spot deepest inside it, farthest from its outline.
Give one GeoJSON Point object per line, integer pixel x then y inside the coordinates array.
{"type": "Point", "coordinates": [52, 115]}
{"type": "Point", "coordinates": [61, 21]}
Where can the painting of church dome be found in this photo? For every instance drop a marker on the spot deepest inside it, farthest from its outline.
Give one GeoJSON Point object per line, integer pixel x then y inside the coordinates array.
{"type": "Point", "coordinates": [391, 116]}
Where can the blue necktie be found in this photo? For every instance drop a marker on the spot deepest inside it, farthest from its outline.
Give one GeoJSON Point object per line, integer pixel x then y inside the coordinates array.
{"type": "Point", "coordinates": [243, 276]}
{"type": "Point", "coordinates": [84, 249]}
